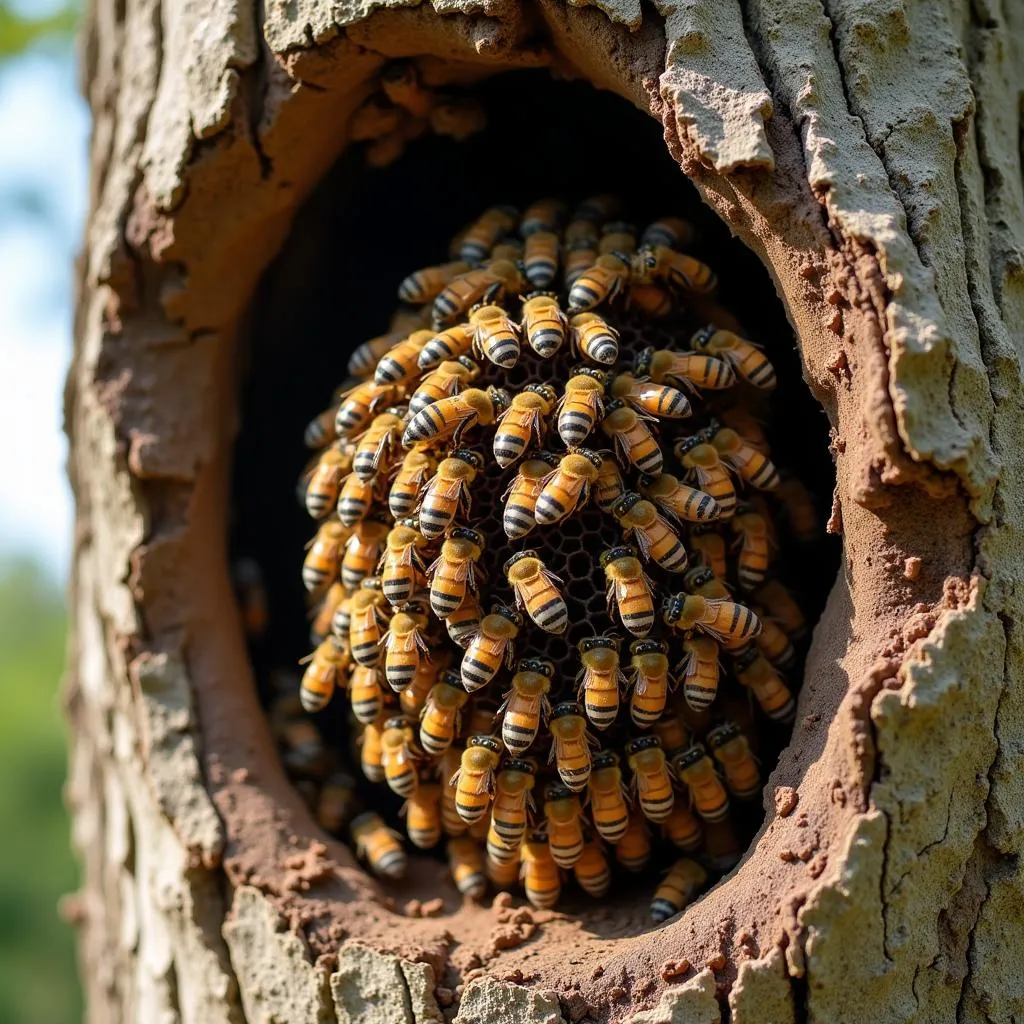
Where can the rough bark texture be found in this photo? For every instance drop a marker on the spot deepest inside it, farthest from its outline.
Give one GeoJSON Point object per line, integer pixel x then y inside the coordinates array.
{"type": "Point", "coordinates": [868, 151]}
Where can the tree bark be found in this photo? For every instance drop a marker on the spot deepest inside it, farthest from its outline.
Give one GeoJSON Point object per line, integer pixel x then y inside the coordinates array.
{"type": "Point", "coordinates": [869, 154]}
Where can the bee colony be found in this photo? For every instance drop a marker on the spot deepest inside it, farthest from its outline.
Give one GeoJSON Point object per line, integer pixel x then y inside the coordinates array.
{"type": "Point", "coordinates": [543, 578]}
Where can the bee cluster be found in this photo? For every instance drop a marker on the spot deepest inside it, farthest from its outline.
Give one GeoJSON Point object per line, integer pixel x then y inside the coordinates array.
{"type": "Point", "coordinates": [543, 570]}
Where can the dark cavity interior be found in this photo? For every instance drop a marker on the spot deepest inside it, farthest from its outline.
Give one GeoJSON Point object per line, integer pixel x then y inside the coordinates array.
{"type": "Point", "coordinates": [333, 286]}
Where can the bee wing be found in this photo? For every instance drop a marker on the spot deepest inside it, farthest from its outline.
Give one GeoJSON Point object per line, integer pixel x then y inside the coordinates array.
{"type": "Point", "coordinates": [555, 581]}
{"type": "Point", "coordinates": [611, 596]}
{"type": "Point", "coordinates": [484, 783]}
{"type": "Point", "coordinates": [453, 781]}
{"type": "Point", "coordinates": [417, 637]}
{"type": "Point", "coordinates": [643, 543]}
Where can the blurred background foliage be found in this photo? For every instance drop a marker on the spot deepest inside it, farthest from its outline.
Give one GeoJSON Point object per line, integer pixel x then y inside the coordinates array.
{"type": "Point", "coordinates": [38, 970]}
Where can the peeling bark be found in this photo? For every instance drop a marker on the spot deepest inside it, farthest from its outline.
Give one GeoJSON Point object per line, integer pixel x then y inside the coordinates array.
{"type": "Point", "coordinates": [869, 154]}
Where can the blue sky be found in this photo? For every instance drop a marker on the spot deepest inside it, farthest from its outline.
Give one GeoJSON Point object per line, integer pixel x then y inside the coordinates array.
{"type": "Point", "coordinates": [44, 128]}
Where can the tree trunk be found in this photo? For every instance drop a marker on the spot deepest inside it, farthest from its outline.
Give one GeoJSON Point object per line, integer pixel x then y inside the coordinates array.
{"type": "Point", "coordinates": [868, 154]}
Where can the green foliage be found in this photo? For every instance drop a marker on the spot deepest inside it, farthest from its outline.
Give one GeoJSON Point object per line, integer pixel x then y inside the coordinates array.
{"type": "Point", "coordinates": [18, 30]}
{"type": "Point", "coordinates": [38, 979]}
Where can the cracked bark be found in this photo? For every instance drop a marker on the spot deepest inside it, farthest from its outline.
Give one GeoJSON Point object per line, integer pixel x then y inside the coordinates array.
{"type": "Point", "coordinates": [869, 153]}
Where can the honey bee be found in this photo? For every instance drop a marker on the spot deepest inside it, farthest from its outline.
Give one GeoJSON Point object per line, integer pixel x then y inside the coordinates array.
{"type": "Point", "coordinates": [325, 482]}
{"type": "Point", "coordinates": [495, 336]}
{"type": "Point", "coordinates": [323, 617]}
{"type": "Point", "coordinates": [498, 278]}
{"type": "Point", "coordinates": [464, 622]}
{"type": "Point", "coordinates": [740, 455]}
{"type": "Point", "coordinates": [665, 264]}
{"type": "Point", "coordinates": [633, 850]}
{"type": "Point", "coordinates": [772, 641]}
{"type": "Point", "coordinates": [602, 281]}
{"type": "Point", "coordinates": [423, 816]}
{"type": "Point", "coordinates": [341, 622]}
{"type": "Point", "coordinates": [416, 469]}
{"type": "Point", "coordinates": [401, 362]}
{"type": "Point", "coordinates": [571, 747]}
{"type": "Point", "coordinates": [365, 694]}
{"type": "Point", "coordinates": [455, 415]}
{"type": "Point", "coordinates": [380, 847]}
{"type": "Point", "coordinates": [702, 464]}
{"type": "Point", "coordinates": [699, 671]}
{"type": "Point", "coordinates": [358, 405]}
{"type": "Point", "coordinates": [368, 622]}
{"type": "Point", "coordinates": [362, 551]}
{"type": "Point", "coordinates": [617, 236]}
{"type": "Point", "coordinates": [524, 420]}
{"type": "Point", "coordinates": [451, 344]}
{"type": "Point", "coordinates": [540, 258]}
{"type": "Point", "coordinates": [563, 825]}
{"type": "Point", "coordinates": [455, 570]}
{"type": "Point", "coordinates": [744, 356]}
{"type": "Point", "coordinates": [446, 769]}
{"type": "Point", "coordinates": [651, 300]}
{"type": "Point", "coordinates": [364, 359]}
{"type": "Point", "coordinates": [355, 499]}
{"type": "Point", "coordinates": [732, 752]}
{"type": "Point", "coordinates": [628, 590]}
{"type": "Point", "coordinates": [691, 369]}
{"type": "Point", "coordinates": [592, 337]}
{"type": "Point", "coordinates": [445, 380]}
{"type": "Point", "coordinates": [708, 546]}
{"type": "Point", "coordinates": [520, 497]}
{"type": "Point", "coordinates": [672, 733]}
{"type": "Point", "coordinates": [752, 536]}
{"type": "Point", "coordinates": [426, 284]}
{"type": "Point", "coordinates": [593, 875]}
{"type": "Point", "coordinates": [724, 621]}
{"type": "Point", "coordinates": [632, 438]}
{"type": "Point", "coordinates": [497, 851]}
{"type": "Point", "coordinates": [320, 430]}
{"type": "Point", "coordinates": [799, 509]}
{"type": "Point", "coordinates": [492, 646]}
{"type": "Point", "coordinates": [466, 864]}
{"type": "Point", "coordinates": [541, 879]}
{"type": "Point", "coordinates": [544, 324]}
{"type": "Point", "coordinates": [580, 255]}
{"type": "Point", "coordinates": [683, 881]}
{"type": "Point", "coordinates": [537, 591]}
{"type": "Point", "coordinates": [567, 487]}
{"type": "Point", "coordinates": [670, 231]}
{"type": "Point", "coordinates": [439, 719]}
{"type": "Point", "coordinates": [324, 556]}
{"type": "Point", "coordinates": [649, 682]}
{"type": "Point", "coordinates": [336, 802]}
{"type": "Point", "coordinates": [401, 566]}
{"type": "Point", "coordinates": [525, 703]}
{"type": "Point", "coordinates": [502, 874]}
{"type": "Point", "coordinates": [543, 215]}
{"type": "Point", "coordinates": [414, 697]}
{"type": "Point", "coordinates": [396, 743]}
{"type": "Point", "coordinates": [376, 446]}
{"type": "Point", "coordinates": [653, 535]}
{"type": "Point", "coordinates": [610, 486]}
{"type": "Point", "coordinates": [767, 686]}
{"type": "Point", "coordinates": [447, 494]}
{"type": "Point", "coordinates": [681, 501]}
{"type": "Point", "coordinates": [512, 801]}
{"type": "Point", "coordinates": [485, 231]}
{"type": "Point", "coordinates": [581, 406]}
{"type": "Point", "coordinates": [646, 396]}
{"type": "Point", "coordinates": [404, 646]}
{"type": "Point", "coordinates": [371, 752]}
{"type": "Point", "coordinates": [701, 580]}
{"type": "Point", "coordinates": [779, 603]}
{"type": "Point", "coordinates": [600, 679]}
{"type": "Point", "coordinates": [325, 666]}
{"type": "Point", "coordinates": [651, 778]}
{"type": "Point", "coordinates": [682, 829]}
{"type": "Point", "coordinates": [607, 796]}
{"type": "Point", "coordinates": [474, 781]}
{"type": "Point", "coordinates": [697, 772]}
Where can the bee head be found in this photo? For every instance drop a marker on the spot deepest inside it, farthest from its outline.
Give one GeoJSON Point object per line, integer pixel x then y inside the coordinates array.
{"type": "Point", "coordinates": [541, 666]}
{"type": "Point", "coordinates": [468, 455]}
{"type": "Point", "coordinates": [639, 647]}
{"type": "Point", "coordinates": [371, 583]}
{"type": "Point", "coordinates": [642, 363]}
{"type": "Point", "coordinates": [672, 608]}
{"type": "Point", "coordinates": [518, 557]}
{"type": "Point", "coordinates": [687, 444]}
{"type": "Point", "coordinates": [546, 391]}
{"type": "Point", "coordinates": [594, 643]}
{"type": "Point", "coordinates": [592, 457]}
{"type": "Point", "coordinates": [700, 338]}
{"type": "Point", "coordinates": [613, 406]}
{"type": "Point", "coordinates": [604, 759]}
{"type": "Point", "coordinates": [518, 764]}
{"type": "Point", "coordinates": [642, 743]}
{"type": "Point", "coordinates": [647, 258]}
{"type": "Point", "coordinates": [551, 458]}
{"type": "Point", "coordinates": [469, 364]}
{"type": "Point", "coordinates": [541, 295]}
{"type": "Point", "coordinates": [491, 743]}
{"type": "Point", "coordinates": [401, 411]}
{"type": "Point", "coordinates": [557, 791]}
{"type": "Point", "coordinates": [614, 554]}
{"type": "Point", "coordinates": [713, 427]}
{"type": "Point", "coordinates": [689, 757]}
{"type": "Point", "coordinates": [465, 533]}
{"type": "Point", "coordinates": [567, 709]}
{"type": "Point", "coordinates": [694, 579]}
{"type": "Point", "coordinates": [398, 722]}
{"type": "Point", "coordinates": [722, 734]}
{"type": "Point", "coordinates": [368, 819]}
{"type": "Point", "coordinates": [505, 612]}
{"type": "Point", "coordinates": [450, 678]}
{"type": "Point", "coordinates": [500, 399]}
{"type": "Point", "coordinates": [415, 606]}
{"type": "Point", "coordinates": [625, 503]}
{"type": "Point", "coordinates": [744, 508]}
{"type": "Point", "coordinates": [589, 371]}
